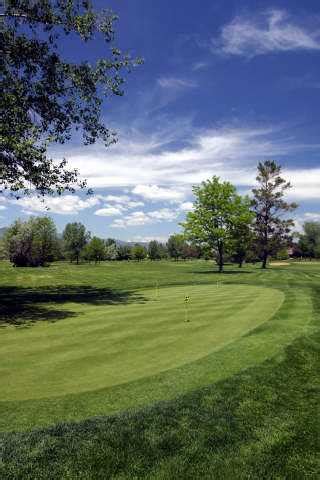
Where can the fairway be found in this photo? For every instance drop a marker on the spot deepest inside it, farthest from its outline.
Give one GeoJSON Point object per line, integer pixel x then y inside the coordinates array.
{"type": "Point", "coordinates": [107, 345]}
{"type": "Point", "coordinates": [103, 377]}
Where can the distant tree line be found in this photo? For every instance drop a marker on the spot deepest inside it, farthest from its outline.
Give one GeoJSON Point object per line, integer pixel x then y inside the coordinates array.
{"type": "Point", "coordinates": [36, 242]}
{"type": "Point", "coordinates": [223, 226]}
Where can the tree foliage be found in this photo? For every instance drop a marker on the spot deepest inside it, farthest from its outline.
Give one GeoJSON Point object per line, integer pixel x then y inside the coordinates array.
{"type": "Point", "coordinates": [243, 241]}
{"type": "Point", "coordinates": [111, 252]}
{"type": "Point", "coordinates": [75, 237]}
{"type": "Point", "coordinates": [218, 212]}
{"type": "Point", "coordinates": [124, 252]}
{"type": "Point", "coordinates": [138, 252]}
{"type": "Point", "coordinates": [44, 97]}
{"type": "Point", "coordinates": [32, 243]}
{"type": "Point", "coordinates": [272, 227]}
{"type": "Point", "coordinates": [175, 246]}
{"type": "Point", "coordinates": [95, 250]}
{"type": "Point", "coordinates": [309, 240]}
{"type": "Point", "coordinates": [156, 251]}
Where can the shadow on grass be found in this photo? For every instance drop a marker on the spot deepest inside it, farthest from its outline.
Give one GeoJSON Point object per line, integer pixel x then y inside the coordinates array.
{"type": "Point", "coordinates": [225, 272]}
{"type": "Point", "coordinates": [24, 306]}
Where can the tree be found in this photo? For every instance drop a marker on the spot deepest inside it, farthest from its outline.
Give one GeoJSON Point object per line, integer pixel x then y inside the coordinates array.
{"type": "Point", "coordinates": [124, 252]}
{"type": "Point", "coordinates": [111, 251]}
{"type": "Point", "coordinates": [75, 237]}
{"type": "Point", "coordinates": [110, 241]}
{"type": "Point", "coordinates": [32, 243]}
{"type": "Point", "coordinates": [218, 211]}
{"type": "Point", "coordinates": [139, 252]}
{"type": "Point", "coordinates": [272, 231]}
{"type": "Point", "coordinates": [95, 250]}
{"type": "Point", "coordinates": [243, 240]}
{"type": "Point", "coordinates": [190, 250]}
{"type": "Point", "coordinates": [309, 240]}
{"type": "Point", "coordinates": [44, 97]}
{"type": "Point", "coordinates": [175, 246]}
{"type": "Point", "coordinates": [154, 250]}
{"type": "Point", "coordinates": [3, 250]}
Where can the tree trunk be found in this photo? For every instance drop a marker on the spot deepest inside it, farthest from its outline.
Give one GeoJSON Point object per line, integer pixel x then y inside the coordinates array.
{"type": "Point", "coordinates": [240, 263]}
{"type": "Point", "coordinates": [220, 257]}
{"type": "Point", "coordinates": [264, 260]}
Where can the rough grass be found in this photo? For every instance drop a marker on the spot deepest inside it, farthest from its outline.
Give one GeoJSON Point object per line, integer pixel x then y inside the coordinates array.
{"type": "Point", "coordinates": [261, 422]}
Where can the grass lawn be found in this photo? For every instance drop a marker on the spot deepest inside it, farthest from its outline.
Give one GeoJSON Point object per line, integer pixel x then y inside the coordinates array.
{"type": "Point", "coordinates": [230, 393]}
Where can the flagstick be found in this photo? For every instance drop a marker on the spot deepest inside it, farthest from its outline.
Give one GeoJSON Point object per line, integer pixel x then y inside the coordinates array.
{"type": "Point", "coordinates": [186, 317]}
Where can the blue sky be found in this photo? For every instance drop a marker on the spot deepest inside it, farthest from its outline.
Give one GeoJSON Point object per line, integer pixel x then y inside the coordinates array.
{"type": "Point", "coordinates": [225, 84]}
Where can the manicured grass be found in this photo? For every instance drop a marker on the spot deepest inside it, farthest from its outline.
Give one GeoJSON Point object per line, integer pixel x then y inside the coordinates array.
{"type": "Point", "coordinates": [106, 345]}
{"type": "Point", "coordinates": [239, 380]}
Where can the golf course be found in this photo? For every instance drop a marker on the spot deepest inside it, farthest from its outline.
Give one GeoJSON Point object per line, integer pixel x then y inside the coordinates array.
{"type": "Point", "coordinates": [147, 369]}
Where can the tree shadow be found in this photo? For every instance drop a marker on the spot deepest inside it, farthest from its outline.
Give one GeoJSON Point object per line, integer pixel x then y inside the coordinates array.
{"type": "Point", "coordinates": [25, 306]}
{"type": "Point", "coordinates": [225, 272]}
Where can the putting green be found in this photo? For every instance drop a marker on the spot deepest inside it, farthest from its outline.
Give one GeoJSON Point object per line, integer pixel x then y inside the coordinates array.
{"type": "Point", "coordinates": [107, 345]}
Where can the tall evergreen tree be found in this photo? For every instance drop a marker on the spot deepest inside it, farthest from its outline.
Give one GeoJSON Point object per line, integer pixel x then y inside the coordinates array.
{"type": "Point", "coordinates": [271, 225]}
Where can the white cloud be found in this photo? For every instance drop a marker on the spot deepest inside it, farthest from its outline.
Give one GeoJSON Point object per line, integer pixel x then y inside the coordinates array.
{"type": "Point", "coordinates": [147, 239]}
{"type": "Point", "coordinates": [175, 83]}
{"type": "Point", "coordinates": [156, 193]}
{"type": "Point", "coordinates": [115, 198]}
{"type": "Point", "coordinates": [108, 211]}
{"type": "Point", "coordinates": [305, 183]}
{"type": "Point", "coordinates": [121, 202]}
{"type": "Point", "coordinates": [140, 218]}
{"type": "Point", "coordinates": [65, 205]}
{"type": "Point", "coordinates": [299, 220]}
{"type": "Point", "coordinates": [311, 216]}
{"type": "Point", "coordinates": [186, 206]}
{"type": "Point", "coordinates": [164, 214]}
{"type": "Point", "coordinates": [133, 219]}
{"type": "Point", "coordinates": [2, 207]}
{"type": "Point", "coordinates": [199, 66]}
{"type": "Point", "coordinates": [164, 172]}
{"type": "Point", "coordinates": [270, 31]}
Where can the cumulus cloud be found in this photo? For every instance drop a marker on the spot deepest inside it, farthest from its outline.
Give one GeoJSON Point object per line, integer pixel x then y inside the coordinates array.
{"type": "Point", "coordinates": [269, 31]}
{"type": "Point", "coordinates": [108, 211]}
{"type": "Point", "coordinates": [133, 219]}
{"type": "Point", "coordinates": [140, 218]}
{"type": "Point", "coordinates": [123, 201]}
{"type": "Point", "coordinates": [65, 205]}
{"type": "Point", "coordinates": [164, 214]}
{"type": "Point", "coordinates": [186, 206]}
{"type": "Point", "coordinates": [156, 193]}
